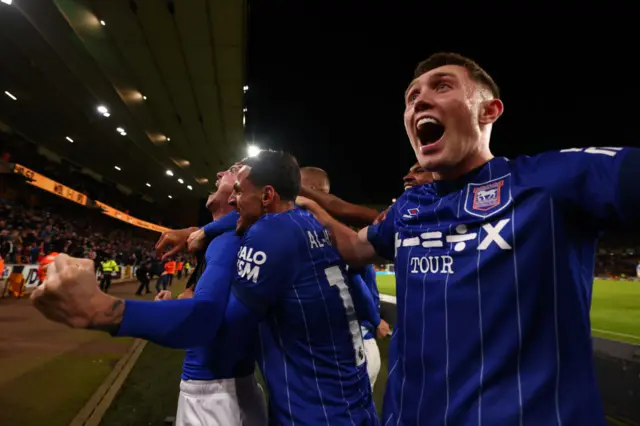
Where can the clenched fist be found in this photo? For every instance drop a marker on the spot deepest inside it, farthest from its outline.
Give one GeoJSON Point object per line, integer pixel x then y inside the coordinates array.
{"type": "Point", "coordinates": [70, 295]}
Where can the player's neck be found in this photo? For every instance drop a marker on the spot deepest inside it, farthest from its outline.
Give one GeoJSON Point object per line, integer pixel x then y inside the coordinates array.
{"type": "Point", "coordinates": [281, 207]}
{"type": "Point", "coordinates": [220, 210]}
{"type": "Point", "coordinates": [470, 163]}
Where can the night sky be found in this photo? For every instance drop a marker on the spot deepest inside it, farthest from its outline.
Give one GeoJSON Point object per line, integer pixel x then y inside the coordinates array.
{"type": "Point", "coordinates": [327, 80]}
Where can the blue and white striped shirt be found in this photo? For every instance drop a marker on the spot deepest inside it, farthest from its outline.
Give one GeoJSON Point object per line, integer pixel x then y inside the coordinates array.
{"type": "Point", "coordinates": [494, 276]}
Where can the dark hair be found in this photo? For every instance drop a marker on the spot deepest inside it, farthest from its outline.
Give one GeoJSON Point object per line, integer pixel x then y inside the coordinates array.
{"type": "Point", "coordinates": [278, 169]}
{"type": "Point", "coordinates": [475, 71]}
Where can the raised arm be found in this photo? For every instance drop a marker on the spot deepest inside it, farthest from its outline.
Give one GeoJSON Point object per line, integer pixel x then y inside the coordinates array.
{"type": "Point", "coordinates": [349, 213]}
{"type": "Point", "coordinates": [70, 295]}
{"type": "Point", "coordinates": [353, 246]}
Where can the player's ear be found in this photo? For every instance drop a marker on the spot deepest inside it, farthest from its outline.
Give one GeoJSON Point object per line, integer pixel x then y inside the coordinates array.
{"type": "Point", "coordinates": [490, 111]}
{"type": "Point", "coordinates": [268, 195]}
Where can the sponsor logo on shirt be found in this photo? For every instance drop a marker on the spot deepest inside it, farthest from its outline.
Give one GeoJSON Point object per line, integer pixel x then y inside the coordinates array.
{"type": "Point", "coordinates": [411, 213]}
{"type": "Point", "coordinates": [249, 262]}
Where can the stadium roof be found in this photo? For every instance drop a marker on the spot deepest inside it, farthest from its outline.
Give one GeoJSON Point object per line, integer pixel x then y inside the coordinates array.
{"type": "Point", "coordinates": [170, 73]}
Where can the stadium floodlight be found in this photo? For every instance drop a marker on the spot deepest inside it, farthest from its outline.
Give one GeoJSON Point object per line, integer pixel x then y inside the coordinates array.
{"type": "Point", "coordinates": [245, 89]}
{"type": "Point", "coordinates": [7, 2]}
{"type": "Point", "coordinates": [117, 168]}
{"type": "Point", "coordinates": [102, 109]}
{"type": "Point", "coordinates": [189, 187]}
{"type": "Point", "coordinates": [169, 196]}
{"type": "Point", "coordinates": [102, 23]}
{"type": "Point", "coordinates": [180, 180]}
{"type": "Point", "coordinates": [10, 95]}
{"type": "Point", "coordinates": [393, 200]}
{"type": "Point", "coordinates": [253, 150]}
{"type": "Point", "coordinates": [69, 139]}
{"type": "Point", "coordinates": [148, 184]}
{"type": "Point", "coordinates": [169, 173]}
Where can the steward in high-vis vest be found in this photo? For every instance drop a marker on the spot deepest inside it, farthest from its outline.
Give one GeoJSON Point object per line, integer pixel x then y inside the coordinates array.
{"type": "Point", "coordinates": [108, 267]}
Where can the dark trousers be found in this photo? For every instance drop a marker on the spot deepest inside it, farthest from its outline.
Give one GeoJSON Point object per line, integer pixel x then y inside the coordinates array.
{"type": "Point", "coordinates": [144, 284]}
{"type": "Point", "coordinates": [105, 282]}
{"type": "Point", "coordinates": [163, 280]}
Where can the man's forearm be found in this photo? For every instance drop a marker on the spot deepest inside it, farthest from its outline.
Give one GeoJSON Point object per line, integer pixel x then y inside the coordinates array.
{"type": "Point", "coordinates": [108, 315]}
{"type": "Point", "coordinates": [172, 323]}
{"type": "Point", "coordinates": [347, 241]}
{"type": "Point", "coordinates": [348, 212]}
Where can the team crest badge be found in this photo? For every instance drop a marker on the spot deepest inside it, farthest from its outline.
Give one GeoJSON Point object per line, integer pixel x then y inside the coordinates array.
{"type": "Point", "coordinates": [488, 198]}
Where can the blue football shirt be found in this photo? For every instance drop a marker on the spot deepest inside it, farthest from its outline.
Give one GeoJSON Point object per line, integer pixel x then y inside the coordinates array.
{"type": "Point", "coordinates": [212, 361]}
{"type": "Point", "coordinates": [310, 350]}
{"type": "Point", "coordinates": [494, 277]}
{"type": "Point", "coordinates": [363, 286]}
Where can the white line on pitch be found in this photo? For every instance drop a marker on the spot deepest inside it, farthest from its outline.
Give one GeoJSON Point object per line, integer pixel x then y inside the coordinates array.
{"type": "Point", "coordinates": [613, 333]}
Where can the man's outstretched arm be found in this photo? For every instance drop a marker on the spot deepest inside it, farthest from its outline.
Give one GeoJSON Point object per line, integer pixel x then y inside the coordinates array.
{"type": "Point", "coordinates": [353, 246]}
{"type": "Point", "coordinates": [349, 213]}
{"type": "Point", "coordinates": [70, 295]}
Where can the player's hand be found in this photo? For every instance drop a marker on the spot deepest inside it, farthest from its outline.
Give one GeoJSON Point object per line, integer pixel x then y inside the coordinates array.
{"type": "Point", "coordinates": [197, 241]}
{"type": "Point", "coordinates": [306, 203]}
{"type": "Point", "coordinates": [381, 217]}
{"type": "Point", "coordinates": [70, 293]}
{"type": "Point", "coordinates": [177, 239]}
{"type": "Point", "coordinates": [186, 294]}
{"type": "Point", "coordinates": [163, 295]}
{"type": "Point", "coordinates": [383, 329]}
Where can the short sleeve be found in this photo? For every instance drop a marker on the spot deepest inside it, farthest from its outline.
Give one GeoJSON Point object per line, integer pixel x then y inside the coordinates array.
{"type": "Point", "coordinates": [382, 235]}
{"type": "Point", "coordinates": [596, 182]}
{"type": "Point", "coordinates": [267, 264]}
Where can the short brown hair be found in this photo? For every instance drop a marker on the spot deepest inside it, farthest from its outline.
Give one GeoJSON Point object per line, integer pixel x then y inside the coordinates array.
{"type": "Point", "coordinates": [475, 71]}
{"type": "Point", "coordinates": [319, 177]}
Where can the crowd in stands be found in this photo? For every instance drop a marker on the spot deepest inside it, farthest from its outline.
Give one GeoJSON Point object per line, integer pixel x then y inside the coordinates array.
{"type": "Point", "coordinates": [15, 150]}
{"type": "Point", "coordinates": [28, 233]}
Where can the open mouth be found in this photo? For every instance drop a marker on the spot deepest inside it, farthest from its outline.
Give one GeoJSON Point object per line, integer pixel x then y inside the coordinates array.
{"type": "Point", "coordinates": [430, 130]}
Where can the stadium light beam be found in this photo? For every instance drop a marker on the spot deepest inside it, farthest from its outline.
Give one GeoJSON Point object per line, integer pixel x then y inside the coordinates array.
{"type": "Point", "coordinates": [253, 150]}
